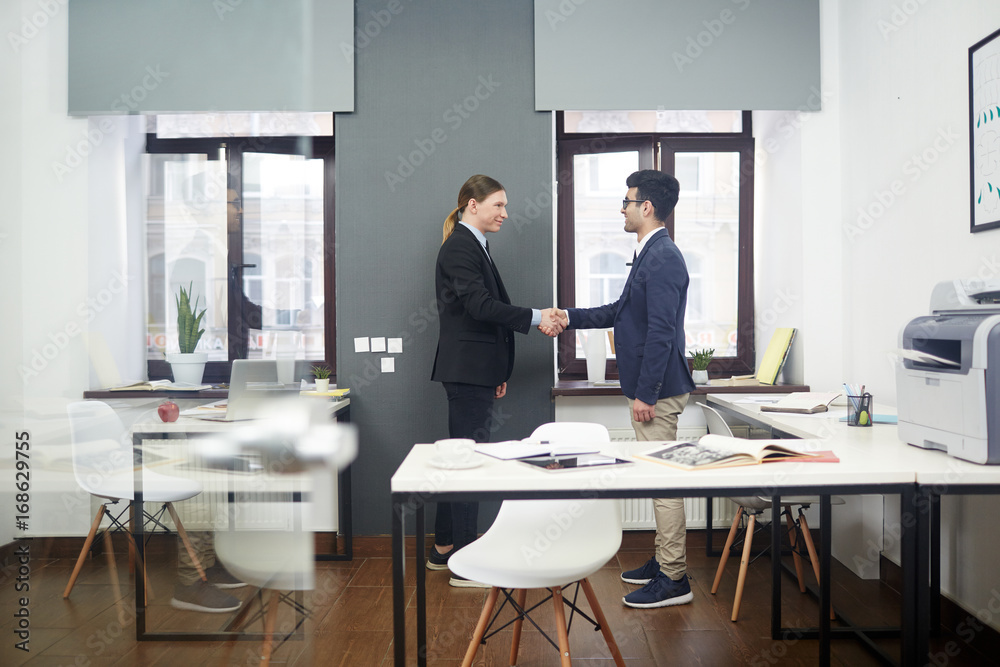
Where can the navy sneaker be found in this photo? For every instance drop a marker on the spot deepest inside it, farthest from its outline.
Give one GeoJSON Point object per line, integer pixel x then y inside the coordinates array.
{"type": "Point", "coordinates": [642, 575]}
{"type": "Point", "coordinates": [438, 561]}
{"type": "Point", "coordinates": [662, 591]}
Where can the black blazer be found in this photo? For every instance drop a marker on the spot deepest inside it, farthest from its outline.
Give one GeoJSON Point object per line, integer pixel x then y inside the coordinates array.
{"type": "Point", "coordinates": [476, 343]}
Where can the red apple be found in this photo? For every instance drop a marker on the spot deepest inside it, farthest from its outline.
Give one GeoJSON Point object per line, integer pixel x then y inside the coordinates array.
{"type": "Point", "coordinates": [168, 411]}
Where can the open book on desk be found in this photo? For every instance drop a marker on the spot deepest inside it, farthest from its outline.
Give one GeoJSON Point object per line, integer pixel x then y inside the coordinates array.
{"type": "Point", "coordinates": [523, 449]}
{"type": "Point", "coordinates": [161, 385]}
{"type": "Point", "coordinates": [802, 402]}
{"type": "Point", "coordinates": [720, 451]}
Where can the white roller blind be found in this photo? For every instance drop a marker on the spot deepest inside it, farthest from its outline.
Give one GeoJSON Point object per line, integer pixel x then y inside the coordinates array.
{"type": "Point", "coordinates": [677, 54]}
{"type": "Point", "coordinates": [148, 56]}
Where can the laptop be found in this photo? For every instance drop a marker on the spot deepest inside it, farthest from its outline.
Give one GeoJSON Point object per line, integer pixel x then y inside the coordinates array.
{"type": "Point", "coordinates": [253, 383]}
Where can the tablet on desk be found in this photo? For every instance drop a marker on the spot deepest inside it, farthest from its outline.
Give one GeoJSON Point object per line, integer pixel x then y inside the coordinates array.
{"type": "Point", "coordinates": [578, 462]}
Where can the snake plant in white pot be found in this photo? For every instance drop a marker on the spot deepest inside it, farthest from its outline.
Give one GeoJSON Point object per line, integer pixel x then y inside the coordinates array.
{"type": "Point", "coordinates": [187, 365]}
{"type": "Point", "coordinates": [699, 365]}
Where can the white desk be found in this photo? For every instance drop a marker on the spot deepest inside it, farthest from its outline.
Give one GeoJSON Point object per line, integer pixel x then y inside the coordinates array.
{"type": "Point", "coordinates": [935, 474]}
{"type": "Point", "coordinates": [416, 483]}
{"type": "Point", "coordinates": [189, 426]}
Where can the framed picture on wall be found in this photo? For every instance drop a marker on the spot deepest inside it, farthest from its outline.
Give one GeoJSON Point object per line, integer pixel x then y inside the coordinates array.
{"type": "Point", "coordinates": [984, 131]}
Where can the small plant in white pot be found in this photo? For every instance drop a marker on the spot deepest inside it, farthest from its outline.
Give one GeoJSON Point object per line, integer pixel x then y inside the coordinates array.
{"type": "Point", "coordinates": [699, 364]}
{"type": "Point", "coordinates": [322, 375]}
{"type": "Point", "coordinates": [187, 365]}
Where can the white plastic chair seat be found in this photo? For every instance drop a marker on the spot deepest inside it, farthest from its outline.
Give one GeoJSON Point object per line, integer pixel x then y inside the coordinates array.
{"type": "Point", "coordinates": [542, 543]}
{"type": "Point", "coordinates": [269, 559]}
{"type": "Point", "coordinates": [156, 488]}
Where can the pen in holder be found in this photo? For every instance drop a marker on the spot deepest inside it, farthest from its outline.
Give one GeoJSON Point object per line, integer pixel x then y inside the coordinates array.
{"type": "Point", "coordinates": [859, 410]}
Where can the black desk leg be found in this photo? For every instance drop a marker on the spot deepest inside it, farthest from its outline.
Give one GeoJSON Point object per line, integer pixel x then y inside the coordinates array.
{"type": "Point", "coordinates": [346, 512]}
{"type": "Point", "coordinates": [398, 593]}
{"type": "Point", "coordinates": [421, 573]}
{"type": "Point", "coordinates": [708, 527]}
{"type": "Point", "coordinates": [934, 504]}
{"type": "Point", "coordinates": [775, 567]}
{"type": "Point", "coordinates": [826, 528]}
{"type": "Point", "coordinates": [914, 543]}
{"type": "Point", "coordinates": [139, 540]}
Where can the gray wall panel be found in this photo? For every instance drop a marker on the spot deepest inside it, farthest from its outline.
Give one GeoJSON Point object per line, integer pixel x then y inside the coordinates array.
{"type": "Point", "coordinates": [421, 63]}
{"type": "Point", "coordinates": [136, 56]}
{"type": "Point", "coordinates": [677, 54]}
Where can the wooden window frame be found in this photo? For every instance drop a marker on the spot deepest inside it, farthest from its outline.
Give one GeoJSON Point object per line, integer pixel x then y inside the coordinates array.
{"type": "Point", "coordinates": [655, 150]}
{"type": "Point", "coordinates": [234, 148]}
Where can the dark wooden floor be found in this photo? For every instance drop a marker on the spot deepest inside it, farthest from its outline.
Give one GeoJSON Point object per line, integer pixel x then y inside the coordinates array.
{"type": "Point", "coordinates": [351, 618]}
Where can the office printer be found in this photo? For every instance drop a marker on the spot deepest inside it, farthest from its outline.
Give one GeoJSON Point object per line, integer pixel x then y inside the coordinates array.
{"type": "Point", "coordinates": [948, 381]}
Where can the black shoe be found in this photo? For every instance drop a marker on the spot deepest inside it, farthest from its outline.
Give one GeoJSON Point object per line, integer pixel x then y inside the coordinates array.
{"type": "Point", "coordinates": [220, 577]}
{"type": "Point", "coordinates": [201, 596]}
{"type": "Point", "coordinates": [662, 591]}
{"type": "Point", "coordinates": [439, 561]}
{"type": "Point", "coordinates": [642, 575]}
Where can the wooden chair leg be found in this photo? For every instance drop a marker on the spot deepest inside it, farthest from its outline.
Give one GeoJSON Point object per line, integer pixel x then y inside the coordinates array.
{"type": "Point", "coordinates": [813, 557]}
{"type": "Point", "coordinates": [609, 638]}
{"type": "Point", "coordinates": [515, 642]}
{"type": "Point", "coordinates": [83, 552]}
{"type": "Point", "coordinates": [109, 554]}
{"type": "Point", "coordinates": [557, 600]}
{"type": "Point", "coordinates": [269, 622]}
{"type": "Point", "coordinates": [484, 619]}
{"type": "Point", "coordinates": [796, 558]}
{"type": "Point", "coordinates": [725, 551]}
{"type": "Point", "coordinates": [744, 564]}
{"type": "Point", "coordinates": [187, 542]}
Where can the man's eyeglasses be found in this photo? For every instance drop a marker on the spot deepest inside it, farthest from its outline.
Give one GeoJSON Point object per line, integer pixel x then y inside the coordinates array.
{"type": "Point", "coordinates": [625, 202]}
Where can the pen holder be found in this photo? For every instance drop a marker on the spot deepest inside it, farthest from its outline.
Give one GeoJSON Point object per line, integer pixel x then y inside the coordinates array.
{"type": "Point", "coordinates": [859, 410]}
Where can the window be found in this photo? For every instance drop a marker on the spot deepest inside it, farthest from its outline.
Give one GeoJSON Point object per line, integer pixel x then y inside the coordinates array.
{"type": "Point", "coordinates": [711, 155]}
{"type": "Point", "coordinates": [247, 223]}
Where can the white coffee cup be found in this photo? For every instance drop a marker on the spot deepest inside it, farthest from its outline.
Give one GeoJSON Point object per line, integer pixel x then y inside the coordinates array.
{"type": "Point", "coordinates": [454, 449]}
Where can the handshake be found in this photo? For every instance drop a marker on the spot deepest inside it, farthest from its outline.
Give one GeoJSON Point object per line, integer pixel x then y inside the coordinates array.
{"type": "Point", "coordinates": [554, 321]}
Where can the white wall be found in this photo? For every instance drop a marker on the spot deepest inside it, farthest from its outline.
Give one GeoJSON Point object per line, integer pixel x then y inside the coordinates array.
{"type": "Point", "coordinates": [866, 208]}
{"type": "Point", "coordinates": [43, 254]}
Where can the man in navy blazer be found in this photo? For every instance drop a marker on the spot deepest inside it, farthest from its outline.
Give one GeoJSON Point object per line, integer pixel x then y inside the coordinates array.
{"type": "Point", "coordinates": [648, 320]}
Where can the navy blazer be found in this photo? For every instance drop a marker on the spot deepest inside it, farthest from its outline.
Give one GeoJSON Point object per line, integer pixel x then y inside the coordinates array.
{"type": "Point", "coordinates": [649, 323]}
{"type": "Point", "coordinates": [476, 341]}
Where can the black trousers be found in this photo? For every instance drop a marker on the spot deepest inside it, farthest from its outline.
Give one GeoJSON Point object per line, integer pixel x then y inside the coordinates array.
{"type": "Point", "coordinates": [469, 410]}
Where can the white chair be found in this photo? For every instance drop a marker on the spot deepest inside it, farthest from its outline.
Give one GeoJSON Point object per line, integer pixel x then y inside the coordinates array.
{"type": "Point", "coordinates": [582, 535]}
{"type": "Point", "coordinates": [103, 467]}
{"type": "Point", "coordinates": [752, 507]}
{"type": "Point", "coordinates": [297, 438]}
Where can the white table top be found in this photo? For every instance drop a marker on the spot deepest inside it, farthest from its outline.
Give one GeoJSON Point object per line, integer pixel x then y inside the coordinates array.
{"type": "Point", "coordinates": [195, 425]}
{"type": "Point", "coordinates": [416, 475]}
{"type": "Point", "coordinates": [879, 444]}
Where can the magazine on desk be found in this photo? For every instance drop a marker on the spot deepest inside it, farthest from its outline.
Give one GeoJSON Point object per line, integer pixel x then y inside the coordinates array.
{"type": "Point", "coordinates": [719, 451]}
{"type": "Point", "coordinates": [803, 402]}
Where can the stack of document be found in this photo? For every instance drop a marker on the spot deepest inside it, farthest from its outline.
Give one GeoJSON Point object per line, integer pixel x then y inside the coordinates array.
{"type": "Point", "coordinates": [517, 449]}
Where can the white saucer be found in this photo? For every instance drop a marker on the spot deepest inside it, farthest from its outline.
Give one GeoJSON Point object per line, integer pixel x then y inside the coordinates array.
{"type": "Point", "coordinates": [447, 464]}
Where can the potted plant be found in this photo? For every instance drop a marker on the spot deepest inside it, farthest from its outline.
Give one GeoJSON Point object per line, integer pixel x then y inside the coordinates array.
{"type": "Point", "coordinates": [187, 365]}
{"type": "Point", "coordinates": [699, 364]}
{"type": "Point", "coordinates": [322, 375]}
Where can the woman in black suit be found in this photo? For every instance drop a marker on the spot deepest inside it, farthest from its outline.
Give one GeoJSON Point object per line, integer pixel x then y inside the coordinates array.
{"type": "Point", "coordinates": [475, 353]}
